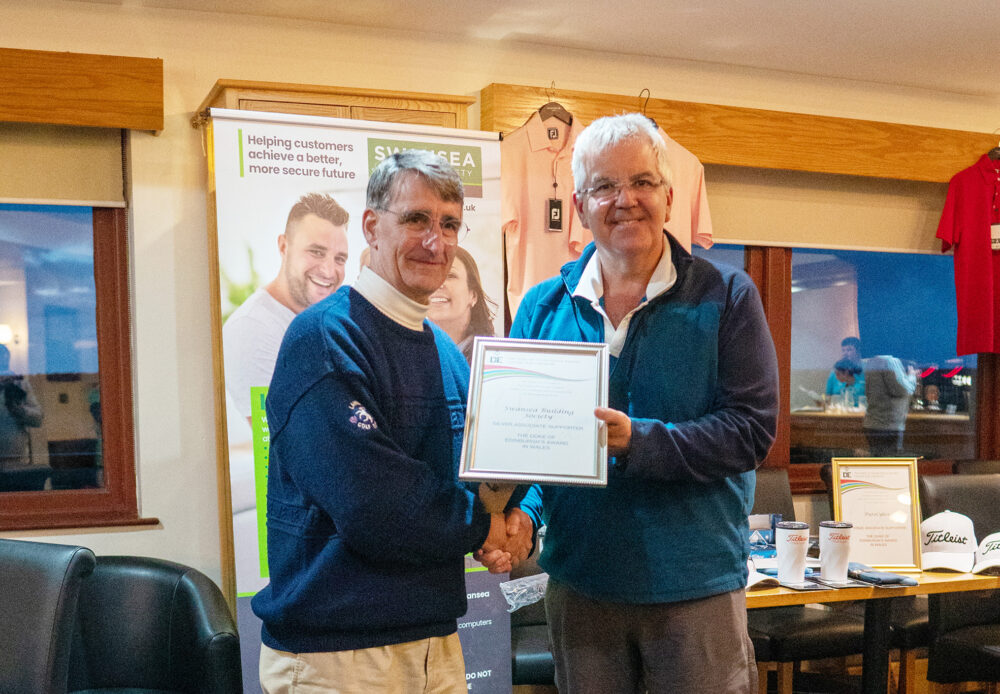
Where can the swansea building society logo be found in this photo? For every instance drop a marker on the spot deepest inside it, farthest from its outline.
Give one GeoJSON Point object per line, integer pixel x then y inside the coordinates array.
{"type": "Point", "coordinates": [360, 417]}
{"type": "Point", "coordinates": [466, 160]}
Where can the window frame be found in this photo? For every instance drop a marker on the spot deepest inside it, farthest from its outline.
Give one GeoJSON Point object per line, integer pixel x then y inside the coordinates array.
{"type": "Point", "coordinates": [770, 267]}
{"type": "Point", "coordinates": [116, 503]}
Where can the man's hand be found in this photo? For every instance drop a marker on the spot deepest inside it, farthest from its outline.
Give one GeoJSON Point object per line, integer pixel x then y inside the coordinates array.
{"type": "Point", "coordinates": [617, 428]}
{"type": "Point", "coordinates": [519, 530]}
{"type": "Point", "coordinates": [493, 554]}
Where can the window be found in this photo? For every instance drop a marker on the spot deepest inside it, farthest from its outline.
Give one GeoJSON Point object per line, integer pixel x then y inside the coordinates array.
{"type": "Point", "coordinates": [66, 431]}
{"type": "Point", "coordinates": [900, 304]}
{"type": "Point", "coordinates": [727, 253]}
{"type": "Point", "coordinates": [898, 387]}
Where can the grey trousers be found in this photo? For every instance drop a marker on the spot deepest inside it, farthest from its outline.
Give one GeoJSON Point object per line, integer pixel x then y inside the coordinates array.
{"type": "Point", "coordinates": [691, 647]}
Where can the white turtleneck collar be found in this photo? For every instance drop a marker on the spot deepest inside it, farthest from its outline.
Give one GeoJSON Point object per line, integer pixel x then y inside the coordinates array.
{"type": "Point", "coordinates": [390, 301]}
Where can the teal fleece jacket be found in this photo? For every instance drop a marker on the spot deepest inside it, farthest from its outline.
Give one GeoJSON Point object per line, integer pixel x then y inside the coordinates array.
{"type": "Point", "coordinates": [698, 377]}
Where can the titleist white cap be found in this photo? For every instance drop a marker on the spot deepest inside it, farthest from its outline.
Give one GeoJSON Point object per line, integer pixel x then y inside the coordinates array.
{"type": "Point", "coordinates": [988, 556]}
{"type": "Point", "coordinates": [947, 541]}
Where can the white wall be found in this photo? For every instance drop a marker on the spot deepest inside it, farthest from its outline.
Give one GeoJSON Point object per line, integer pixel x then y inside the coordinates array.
{"type": "Point", "coordinates": [174, 400]}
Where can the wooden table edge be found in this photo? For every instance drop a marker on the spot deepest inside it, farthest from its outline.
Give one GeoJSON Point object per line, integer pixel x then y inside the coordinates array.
{"type": "Point", "coordinates": [928, 582]}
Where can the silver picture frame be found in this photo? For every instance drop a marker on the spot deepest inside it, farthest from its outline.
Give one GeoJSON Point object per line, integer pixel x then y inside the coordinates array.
{"type": "Point", "coordinates": [530, 415]}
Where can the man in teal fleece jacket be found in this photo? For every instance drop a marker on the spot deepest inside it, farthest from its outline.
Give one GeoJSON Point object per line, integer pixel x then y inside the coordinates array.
{"type": "Point", "coordinates": [647, 575]}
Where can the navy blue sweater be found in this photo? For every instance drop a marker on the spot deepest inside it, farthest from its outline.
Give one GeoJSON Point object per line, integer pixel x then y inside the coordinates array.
{"type": "Point", "coordinates": [367, 524]}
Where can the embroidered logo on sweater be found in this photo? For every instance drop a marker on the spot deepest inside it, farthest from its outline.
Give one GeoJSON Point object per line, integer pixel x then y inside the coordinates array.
{"type": "Point", "coordinates": [360, 417]}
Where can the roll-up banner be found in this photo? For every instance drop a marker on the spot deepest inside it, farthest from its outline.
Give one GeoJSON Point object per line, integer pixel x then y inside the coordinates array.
{"type": "Point", "coordinates": [261, 165]}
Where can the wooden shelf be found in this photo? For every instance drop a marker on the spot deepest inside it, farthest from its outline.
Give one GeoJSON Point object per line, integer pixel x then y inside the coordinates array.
{"type": "Point", "coordinates": [768, 139]}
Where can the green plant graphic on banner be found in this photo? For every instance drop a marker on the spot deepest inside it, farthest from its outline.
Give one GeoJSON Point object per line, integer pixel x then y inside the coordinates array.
{"type": "Point", "coordinates": [261, 449]}
{"type": "Point", "coordinates": [466, 160]}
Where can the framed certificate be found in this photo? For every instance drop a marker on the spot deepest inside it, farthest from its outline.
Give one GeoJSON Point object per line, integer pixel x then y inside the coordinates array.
{"type": "Point", "coordinates": [530, 414]}
{"type": "Point", "coordinates": [879, 497]}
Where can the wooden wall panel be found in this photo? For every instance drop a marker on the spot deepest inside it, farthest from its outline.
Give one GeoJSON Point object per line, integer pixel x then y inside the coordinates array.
{"type": "Point", "coordinates": [768, 139]}
{"type": "Point", "coordinates": [106, 91]}
{"type": "Point", "coordinates": [987, 403]}
{"type": "Point", "coordinates": [771, 270]}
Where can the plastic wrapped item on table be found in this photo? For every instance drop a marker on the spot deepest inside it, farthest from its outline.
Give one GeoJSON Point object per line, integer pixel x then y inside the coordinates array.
{"type": "Point", "coordinates": [524, 591]}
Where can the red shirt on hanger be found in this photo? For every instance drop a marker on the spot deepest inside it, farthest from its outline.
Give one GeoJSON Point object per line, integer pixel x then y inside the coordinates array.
{"type": "Point", "coordinates": [971, 208]}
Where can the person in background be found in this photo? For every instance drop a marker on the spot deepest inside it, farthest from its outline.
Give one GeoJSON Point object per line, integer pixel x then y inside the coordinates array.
{"type": "Point", "coordinates": [19, 410]}
{"type": "Point", "coordinates": [851, 377]}
{"type": "Point", "coordinates": [367, 524]}
{"type": "Point", "coordinates": [850, 349]}
{"type": "Point", "coordinates": [460, 306]}
{"type": "Point", "coordinates": [888, 387]}
{"type": "Point", "coordinates": [313, 252]}
{"type": "Point", "coordinates": [647, 576]}
{"type": "Point", "coordinates": [932, 397]}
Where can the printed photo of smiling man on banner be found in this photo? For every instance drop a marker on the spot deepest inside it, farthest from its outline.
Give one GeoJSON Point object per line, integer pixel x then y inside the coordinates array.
{"type": "Point", "coordinates": [289, 199]}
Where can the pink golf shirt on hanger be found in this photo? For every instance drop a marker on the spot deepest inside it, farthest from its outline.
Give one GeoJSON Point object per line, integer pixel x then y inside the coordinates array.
{"type": "Point", "coordinates": [689, 218]}
{"type": "Point", "coordinates": [538, 153]}
{"type": "Point", "coordinates": [529, 159]}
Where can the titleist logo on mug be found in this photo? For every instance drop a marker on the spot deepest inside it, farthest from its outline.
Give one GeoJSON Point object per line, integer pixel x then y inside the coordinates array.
{"type": "Point", "coordinates": [791, 540]}
{"type": "Point", "coordinates": [834, 549]}
{"type": "Point", "coordinates": [948, 542]}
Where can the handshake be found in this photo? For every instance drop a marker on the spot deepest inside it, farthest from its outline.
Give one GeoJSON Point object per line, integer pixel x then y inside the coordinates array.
{"type": "Point", "coordinates": [509, 541]}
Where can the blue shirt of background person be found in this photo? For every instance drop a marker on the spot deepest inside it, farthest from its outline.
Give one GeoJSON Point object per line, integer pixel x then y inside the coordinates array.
{"type": "Point", "coordinates": [850, 350]}
{"type": "Point", "coordinates": [847, 376]}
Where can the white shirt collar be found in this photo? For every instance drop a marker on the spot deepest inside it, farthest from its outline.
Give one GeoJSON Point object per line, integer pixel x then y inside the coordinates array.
{"type": "Point", "coordinates": [591, 288]}
{"type": "Point", "coordinates": [390, 301]}
{"type": "Point", "coordinates": [591, 284]}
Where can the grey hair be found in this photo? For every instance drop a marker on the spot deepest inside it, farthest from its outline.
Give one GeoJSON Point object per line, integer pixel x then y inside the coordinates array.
{"type": "Point", "coordinates": [434, 169]}
{"type": "Point", "coordinates": [611, 130]}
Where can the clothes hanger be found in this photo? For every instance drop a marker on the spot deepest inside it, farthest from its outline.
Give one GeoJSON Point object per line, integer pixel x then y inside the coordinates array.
{"type": "Point", "coordinates": [994, 153]}
{"type": "Point", "coordinates": [553, 109]}
{"type": "Point", "coordinates": [645, 90]}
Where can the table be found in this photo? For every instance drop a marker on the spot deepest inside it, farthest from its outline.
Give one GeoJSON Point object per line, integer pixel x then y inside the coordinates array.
{"type": "Point", "coordinates": [875, 656]}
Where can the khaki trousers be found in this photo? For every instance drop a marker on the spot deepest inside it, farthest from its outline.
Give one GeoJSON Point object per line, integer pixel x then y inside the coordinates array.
{"type": "Point", "coordinates": [428, 666]}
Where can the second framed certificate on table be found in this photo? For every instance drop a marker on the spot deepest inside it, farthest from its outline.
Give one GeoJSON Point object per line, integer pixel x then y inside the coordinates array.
{"type": "Point", "coordinates": [531, 416]}
{"type": "Point", "coordinates": [879, 497]}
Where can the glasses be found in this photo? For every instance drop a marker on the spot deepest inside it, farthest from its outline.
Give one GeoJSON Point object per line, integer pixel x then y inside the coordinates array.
{"type": "Point", "coordinates": [605, 191]}
{"type": "Point", "coordinates": [421, 224]}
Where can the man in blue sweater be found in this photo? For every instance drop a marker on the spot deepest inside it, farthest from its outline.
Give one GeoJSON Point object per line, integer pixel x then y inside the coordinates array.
{"type": "Point", "coordinates": [647, 575]}
{"type": "Point", "coordinates": [367, 524]}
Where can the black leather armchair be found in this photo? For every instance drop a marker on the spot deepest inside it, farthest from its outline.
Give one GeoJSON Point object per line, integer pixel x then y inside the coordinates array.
{"type": "Point", "coordinates": [965, 627]}
{"type": "Point", "coordinates": [976, 467]}
{"type": "Point", "coordinates": [530, 652]}
{"type": "Point", "coordinates": [148, 625]}
{"type": "Point", "coordinates": [39, 587]}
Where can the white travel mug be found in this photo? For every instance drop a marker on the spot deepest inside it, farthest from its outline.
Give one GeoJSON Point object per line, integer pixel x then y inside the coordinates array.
{"type": "Point", "coordinates": [834, 548]}
{"type": "Point", "coordinates": [791, 540]}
